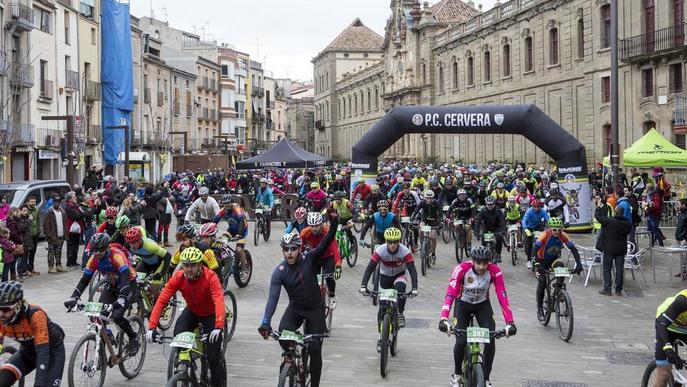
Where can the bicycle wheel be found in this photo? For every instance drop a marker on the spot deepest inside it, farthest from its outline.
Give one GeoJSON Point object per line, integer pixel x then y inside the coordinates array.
{"type": "Point", "coordinates": [564, 315]}
{"type": "Point", "coordinates": [168, 314]}
{"type": "Point", "coordinates": [130, 366]}
{"type": "Point", "coordinates": [287, 376]}
{"type": "Point", "coordinates": [446, 233]}
{"type": "Point", "coordinates": [97, 289]}
{"type": "Point", "coordinates": [477, 377]}
{"type": "Point", "coordinates": [649, 377]}
{"type": "Point", "coordinates": [394, 340]}
{"type": "Point", "coordinates": [90, 365]}
{"type": "Point", "coordinates": [375, 285]}
{"type": "Point", "coordinates": [328, 312]}
{"type": "Point", "coordinates": [91, 285]}
{"type": "Point", "coordinates": [266, 231]}
{"type": "Point", "coordinates": [513, 249]}
{"type": "Point", "coordinates": [230, 324]}
{"type": "Point", "coordinates": [358, 225]}
{"type": "Point", "coordinates": [459, 246]}
{"type": "Point", "coordinates": [352, 258]}
{"type": "Point", "coordinates": [384, 355]}
{"type": "Point", "coordinates": [546, 308]}
{"type": "Point", "coordinates": [424, 250]}
{"type": "Point", "coordinates": [180, 379]}
{"type": "Point", "coordinates": [244, 269]}
{"type": "Point", "coordinates": [5, 354]}
{"type": "Point", "coordinates": [257, 232]}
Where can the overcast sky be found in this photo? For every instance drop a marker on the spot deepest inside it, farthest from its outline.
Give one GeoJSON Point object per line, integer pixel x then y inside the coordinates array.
{"type": "Point", "coordinates": [290, 32]}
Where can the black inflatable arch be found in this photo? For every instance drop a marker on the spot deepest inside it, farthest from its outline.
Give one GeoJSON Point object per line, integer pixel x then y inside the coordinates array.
{"type": "Point", "coordinates": [527, 120]}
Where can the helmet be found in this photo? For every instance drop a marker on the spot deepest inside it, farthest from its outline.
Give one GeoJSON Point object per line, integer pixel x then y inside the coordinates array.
{"type": "Point", "coordinates": [459, 175]}
{"type": "Point", "coordinates": [191, 255]}
{"type": "Point", "coordinates": [553, 187]}
{"type": "Point", "coordinates": [375, 188]}
{"type": "Point", "coordinates": [536, 203]}
{"type": "Point", "coordinates": [429, 194]}
{"type": "Point", "coordinates": [112, 212]}
{"type": "Point", "coordinates": [462, 192]}
{"type": "Point", "coordinates": [339, 195]}
{"type": "Point", "coordinates": [122, 221]}
{"type": "Point", "coordinates": [133, 235]}
{"type": "Point", "coordinates": [186, 230]}
{"type": "Point", "coordinates": [100, 241]}
{"type": "Point", "coordinates": [480, 253]}
{"type": "Point", "coordinates": [314, 218]}
{"type": "Point", "coordinates": [270, 182]}
{"type": "Point", "coordinates": [399, 179]}
{"type": "Point", "coordinates": [383, 203]}
{"type": "Point", "coordinates": [314, 184]}
{"type": "Point", "coordinates": [555, 223]}
{"type": "Point", "coordinates": [489, 200]}
{"type": "Point", "coordinates": [11, 294]}
{"type": "Point", "coordinates": [263, 181]}
{"type": "Point", "coordinates": [511, 199]}
{"type": "Point", "coordinates": [500, 186]}
{"type": "Point", "coordinates": [522, 188]}
{"type": "Point", "coordinates": [290, 240]}
{"type": "Point", "coordinates": [545, 176]}
{"type": "Point", "coordinates": [392, 234]}
{"type": "Point", "coordinates": [301, 212]}
{"type": "Point", "coordinates": [202, 191]}
{"type": "Point", "coordinates": [207, 230]}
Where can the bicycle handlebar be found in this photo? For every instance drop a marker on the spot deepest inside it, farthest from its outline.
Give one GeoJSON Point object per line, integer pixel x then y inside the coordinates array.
{"type": "Point", "coordinates": [276, 335]}
{"type": "Point", "coordinates": [496, 334]}
{"type": "Point", "coordinates": [372, 293]}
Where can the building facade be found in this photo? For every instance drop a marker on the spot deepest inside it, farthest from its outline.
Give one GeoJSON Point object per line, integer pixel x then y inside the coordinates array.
{"type": "Point", "coordinates": [258, 139]}
{"type": "Point", "coordinates": [91, 89]}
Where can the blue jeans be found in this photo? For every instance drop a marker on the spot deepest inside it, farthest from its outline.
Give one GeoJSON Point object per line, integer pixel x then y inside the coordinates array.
{"type": "Point", "coordinates": [656, 234]}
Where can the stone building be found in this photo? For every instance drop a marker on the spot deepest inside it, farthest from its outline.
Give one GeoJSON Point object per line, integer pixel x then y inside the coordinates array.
{"type": "Point", "coordinates": [553, 53]}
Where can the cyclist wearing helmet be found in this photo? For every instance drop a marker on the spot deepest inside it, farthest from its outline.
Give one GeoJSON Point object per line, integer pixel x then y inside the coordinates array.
{"type": "Point", "coordinates": [297, 273]}
{"type": "Point", "coordinates": [491, 219]}
{"type": "Point", "coordinates": [429, 213]}
{"type": "Point", "coordinates": [513, 216]}
{"type": "Point", "coordinates": [396, 264]}
{"type": "Point", "coordinates": [396, 188]}
{"type": "Point", "coordinates": [556, 204]}
{"type": "Point", "coordinates": [381, 220]}
{"type": "Point", "coordinates": [204, 298]}
{"type": "Point", "coordinates": [671, 325]}
{"type": "Point", "coordinates": [469, 288]}
{"type": "Point", "coordinates": [547, 250]}
{"type": "Point", "coordinates": [338, 185]}
{"type": "Point", "coordinates": [121, 289]}
{"type": "Point", "coordinates": [500, 194]}
{"type": "Point", "coordinates": [330, 260]}
{"type": "Point", "coordinates": [316, 198]}
{"type": "Point", "coordinates": [41, 345]}
{"type": "Point", "coordinates": [534, 219]}
{"type": "Point", "coordinates": [361, 188]}
{"type": "Point", "coordinates": [372, 199]}
{"type": "Point", "coordinates": [464, 209]}
{"type": "Point", "coordinates": [265, 198]}
{"type": "Point", "coordinates": [298, 224]}
{"type": "Point", "coordinates": [206, 205]}
{"type": "Point", "coordinates": [109, 226]}
{"type": "Point", "coordinates": [154, 258]}
{"type": "Point", "coordinates": [419, 182]}
{"type": "Point", "coordinates": [524, 198]}
{"type": "Point", "coordinates": [449, 193]}
{"type": "Point", "coordinates": [236, 219]}
{"type": "Point", "coordinates": [345, 210]}
{"type": "Point", "coordinates": [186, 236]}
{"type": "Point", "coordinates": [406, 201]}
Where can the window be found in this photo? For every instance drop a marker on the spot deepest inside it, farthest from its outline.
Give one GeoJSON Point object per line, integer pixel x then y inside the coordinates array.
{"type": "Point", "coordinates": [225, 71]}
{"type": "Point", "coordinates": [369, 100]}
{"type": "Point", "coordinates": [680, 140]}
{"type": "Point", "coordinates": [350, 107]}
{"type": "Point", "coordinates": [675, 81]}
{"type": "Point", "coordinates": [608, 137]}
{"type": "Point", "coordinates": [605, 89]}
{"type": "Point", "coordinates": [605, 26]}
{"type": "Point", "coordinates": [506, 61]}
{"type": "Point", "coordinates": [355, 104]}
{"type": "Point", "coordinates": [376, 98]}
{"type": "Point", "coordinates": [487, 67]}
{"type": "Point", "coordinates": [471, 71]}
{"type": "Point", "coordinates": [647, 83]}
{"type": "Point", "coordinates": [454, 74]}
{"type": "Point", "coordinates": [43, 72]}
{"type": "Point", "coordinates": [580, 39]}
{"type": "Point", "coordinates": [94, 37]}
{"type": "Point", "coordinates": [424, 74]}
{"type": "Point", "coordinates": [66, 27]}
{"type": "Point", "coordinates": [647, 126]}
{"type": "Point", "coordinates": [87, 8]}
{"type": "Point", "coordinates": [529, 54]}
{"type": "Point", "coordinates": [362, 102]}
{"type": "Point", "coordinates": [553, 46]}
{"type": "Point", "coordinates": [440, 85]}
{"type": "Point", "coordinates": [43, 19]}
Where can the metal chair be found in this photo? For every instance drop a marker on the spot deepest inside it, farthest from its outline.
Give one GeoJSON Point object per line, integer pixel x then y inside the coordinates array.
{"type": "Point", "coordinates": [590, 258]}
{"type": "Point", "coordinates": [634, 262]}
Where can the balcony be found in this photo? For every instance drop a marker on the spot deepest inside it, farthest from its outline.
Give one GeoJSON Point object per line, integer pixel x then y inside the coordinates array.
{"type": "Point", "coordinates": [654, 44]}
{"type": "Point", "coordinates": [258, 117]}
{"type": "Point", "coordinates": [94, 91]}
{"type": "Point", "coordinates": [71, 79]}
{"type": "Point", "coordinates": [209, 143]}
{"type": "Point", "coordinates": [204, 114]}
{"type": "Point", "coordinates": [47, 89]}
{"type": "Point", "coordinates": [255, 144]}
{"type": "Point", "coordinates": [94, 135]}
{"type": "Point", "coordinates": [213, 85]}
{"type": "Point", "coordinates": [18, 134]}
{"type": "Point", "coordinates": [160, 98]}
{"type": "Point", "coordinates": [48, 138]}
{"type": "Point", "coordinates": [257, 91]}
{"type": "Point", "coordinates": [21, 75]}
{"type": "Point", "coordinates": [146, 95]}
{"type": "Point", "coordinates": [203, 83]}
{"type": "Point", "coordinates": [154, 139]}
{"type": "Point", "coordinates": [21, 17]}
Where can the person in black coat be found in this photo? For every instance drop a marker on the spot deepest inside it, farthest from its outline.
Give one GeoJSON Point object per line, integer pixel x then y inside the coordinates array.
{"type": "Point", "coordinates": [681, 236]}
{"type": "Point", "coordinates": [150, 210]}
{"type": "Point", "coordinates": [614, 247]}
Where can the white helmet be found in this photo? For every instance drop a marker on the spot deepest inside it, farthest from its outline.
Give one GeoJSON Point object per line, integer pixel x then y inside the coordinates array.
{"type": "Point", "coordinates": [263, 180]}
{"type": "Point", "coordinates": [462, 192]}
{"type": "Point", "coordinates": [314, 218]}
{"type": "Point", "coordinates": [399, 179]}
{"type": "Point", "coordinates": [290, 240]}
{"type": "Point", "coordinates": [429, 193]}
{"type": "Point", "coordinates": [270, 182]}
{"type": "Point", "coordinates": [203, 191]}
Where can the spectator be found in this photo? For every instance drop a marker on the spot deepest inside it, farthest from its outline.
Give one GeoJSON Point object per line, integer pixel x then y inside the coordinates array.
{"type": "Point", "coordinates": [611, 197]}
{"type": "Point", "coordinates": [681, 236]}
{"type": "Point", "coordinates": [8, 264]}
{"type": "Point", "coordinates": [164, 211]}
{"type": "Point", "coordinates": [614, 247]}
{"type": "Point", "coordinates": [55, 230]}
{"type": "Point", "coordinates": [90, 181]}
{"type": "Point", "coordinates": [27, 239]}
{"type": "Point", "coordinates": [75, 227]}
{"type": "Point", "coordinates": [131, 208]}
{"type": "Point", "coordinates": [149, 211]}
{"type": "Point", "coordinates": [4, 208]}
{"type": "Point", "coordinates": [653, 211]}
{"type": "Point", "coordinates": [14, 225]}
{"type": "Point", "coordinates": [636, 219]}
{"type": "Point", "coordinates": [34, 217]}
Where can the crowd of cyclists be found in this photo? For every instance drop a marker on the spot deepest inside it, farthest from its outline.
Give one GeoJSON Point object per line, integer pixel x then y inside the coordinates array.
{"type": "Point", "coordinates": [404, 198]}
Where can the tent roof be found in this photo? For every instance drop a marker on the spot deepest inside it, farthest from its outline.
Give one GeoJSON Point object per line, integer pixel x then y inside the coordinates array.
{"type": "Point", "coordinates": [653, 150]}
{"type": "Point", "coordinates": [284, 154]}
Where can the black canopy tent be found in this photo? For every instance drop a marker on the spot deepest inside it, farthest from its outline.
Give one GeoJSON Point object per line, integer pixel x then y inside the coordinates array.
{"type": "Point", "coordinates": [284, 154]}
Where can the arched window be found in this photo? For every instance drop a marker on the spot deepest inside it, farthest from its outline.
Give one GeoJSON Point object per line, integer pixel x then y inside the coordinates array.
{"type": "Point", "coordinates": [506, 60]}
{"type": "Point", "coordinates": [471, 71]}
{"type": "Point", "coordinates": [487, 66]}
{"type": "Point", "coordinates": [454, 74]}
{"type": "Point", "coordinates": [553, 46]}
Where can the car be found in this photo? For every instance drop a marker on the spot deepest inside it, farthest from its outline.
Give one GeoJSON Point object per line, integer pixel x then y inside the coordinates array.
{"type": "Point", "coordinates": [18, 193]}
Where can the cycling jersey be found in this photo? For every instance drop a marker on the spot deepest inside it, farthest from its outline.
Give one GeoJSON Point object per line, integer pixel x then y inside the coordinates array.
{"type": "Point", "coordinates": [236, 218]}
{"type": "Point", "coordinates": [552, 245]}
{"type": "Point", "coordinates": [418, 182]}
{"type": "Point", "coordinates": [556, 206]}
{"type": "Point", "coordinates": [410, 200]}
{"type": "Point", "coordinates": [501, 197]}
{"type": "Point", "coordinates": [469, 287]}
{"type": "Point", "coordinates": [524, 201]}
{"type": "Point", "coordinates": [312, 241]}
{"type": "Point", "coordinates": [671, 323]}
{"type": "Point", "coordinates": [392, 264]}
{"type": "Point", "coordinates": [343, 208]}
{"type": "Point", "coordinates": [534, 219]}
{"type": "Point", "coordinates": [150, 252]}
{"type": "Point", "coordinates": [295, 226]}
{"type": "Point", "coordinates": [430, 213]}
{"type": "Point", "coordinates": [265, 197]}
{"type": "Point", "coordinates": [114, 265]}
{"type": "Point", "coordinates": [491, 220]}
{"type": "Point", "coordinates": [362, 189]}
{"type": "Point", "coordinates": [209, 258]}
{"type": "Point", "coordinates": [463, 209]}
{"type": "Point", "coordinates": [318, 198]}
{"type": "Point", "coordinates": [513, 212]}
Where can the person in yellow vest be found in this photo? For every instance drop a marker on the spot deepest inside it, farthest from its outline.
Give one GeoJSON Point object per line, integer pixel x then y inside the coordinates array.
{"type": "Point", "coordinates": [671, 325]}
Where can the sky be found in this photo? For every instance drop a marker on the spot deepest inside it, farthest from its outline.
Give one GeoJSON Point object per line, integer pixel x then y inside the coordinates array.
{"type": "Point", "coordinates": [284, 35]}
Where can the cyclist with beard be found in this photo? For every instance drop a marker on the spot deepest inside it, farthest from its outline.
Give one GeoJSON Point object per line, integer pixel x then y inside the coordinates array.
{"type": "Point", "coordinates": [491, 219]}
{"type": "Point", "coordinates": [464, 209]}
{"type": "Point", "coordinates": [373, 198]}
{"type": "Point", "coordinates": [381, 220]}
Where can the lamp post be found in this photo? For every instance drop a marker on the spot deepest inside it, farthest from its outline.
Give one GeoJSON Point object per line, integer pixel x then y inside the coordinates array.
{"type": "Point", "coordinates": [125, 128]}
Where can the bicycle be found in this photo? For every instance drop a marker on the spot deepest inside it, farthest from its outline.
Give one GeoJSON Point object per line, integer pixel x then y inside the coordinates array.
{"type": "Point", "coordinates": [260, 226]}
{"type": "Point", "coordinates": [489, 240]}
{"type": "Point", "coordinates": [407, 231]}
{"type": "Point", "coordinates": [678, 378]}
{"type": "Point", "coordinates": [241, 268]}
{"type": "Point", "coordinates": [10, 350]}
{"type": "Point", "coordinates": [347, 248]}
{"type": "Point", "coordinates": [389, 325]}
{"type": "Point", "coordinates": [462, 244]}
{"type": "Point", "coordinates": [359, 216]}
{"type": "Point", "coordinates": [143, 306]}
{"type": "Point", "coordinates": [558, 302]}
{"type": "Point", "coordinates": [295, 366]}
{"type": "Point", "coordinates": [324, 291]}
{"type": "Point", "coordinates": [513, 230]}
{"type": "Point", "coordinates": [188, 357]}
{"type": "Point", "coordinates": [279, 211]}
{"type": "Point", "coordinates": [447, 231]}
{"type": "Point", "coordinates": [375, 274]}
{"type": "Point", "coordinates": [428, 260]}
{"type": "Point", "coordinates": [98, 342]}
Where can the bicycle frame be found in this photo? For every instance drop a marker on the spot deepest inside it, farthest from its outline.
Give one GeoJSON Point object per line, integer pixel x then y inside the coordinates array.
{"type": "Point", "coordinates": [98, 325]}
{"type": "Point", "coordinates": [187, 356]}
{"type": "Point", "coordinates": [296, 351]}
{"type": "Point", "coordinates": [342, 241]}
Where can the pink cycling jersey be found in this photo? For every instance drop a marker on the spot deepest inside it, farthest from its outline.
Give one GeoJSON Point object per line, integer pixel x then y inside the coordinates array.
{"type": "Point", "coordinates": [472, 288]}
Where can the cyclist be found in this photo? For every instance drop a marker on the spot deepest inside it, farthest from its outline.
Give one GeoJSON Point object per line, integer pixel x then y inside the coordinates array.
{"type": "Point", "coordinates": [524, 198]}
{"type": "Point", "coordinates": [298, 224]}
{"type": "Point", "coordinates": [671, 325]}
{"type": "Point", "coordinates": [297, 273]}
{"type": "Point", "coordinates": [381, 220]}
{"type": "Point", "coordinates": [41, 345]}
{"type": "Point", "coordinates": [204, 298]}
{"type": "Point", "coordinates": [464, 209]}
{"type": "Point", "coordinates": [110, 225]}
{"type": "Point", "coordinates": [121, 290]}
{"type": "Point", "coordinates": [238, 224]}
{"type": "Point", "coordinates": [362, 188]}
{"type": "Point", "coordinates": [330, 261]}
{"type": "Point", "coordinates": [154, 258]}
{"type": "Point", "coordinates": [469, 288]}
{"type": "Point", "coordinates": [491, 219]}
{"type": "Point", "coordinates": [419, 182]}
{"type": "Point", "coordinates": [207, 206]}
{"type": "Point", "coordinates": [396, 188]}
{"type": "Point", "coordinates": [547, 250]}
{"type": "Point", "coordinates": [450, 192]}
{"type": "Point", "coordinates": [429, 213]}
{"type": "Point", "coordinates": [534, 219]}
{"type": "Point", "coordinates": [317, 198]}
{"type": "Point", "coordinates": [557, 204]}
{"type": "Point", "coordinates": [372, 199]}
{"type": "Point", "coordinates": [264, 197]}
{"type": "Point", "coordinates": [406, 201]}
{"type": "Point", "coordinates": [435, 187]}
{"type": "Point", "coordinates": [500, 194]}
{"type": "Point", "coordinates": [513, 216]}
{"type": "Point", "coordinates": [396, 261]}
{"type": "Point", "coordinates": [186, 236]}
{"type": "Point", "coordinates": [122, 223]}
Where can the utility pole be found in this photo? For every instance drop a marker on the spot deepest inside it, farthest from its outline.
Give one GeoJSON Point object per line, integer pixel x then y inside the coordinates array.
{"type": "Point", "coordinates": [615, 157]}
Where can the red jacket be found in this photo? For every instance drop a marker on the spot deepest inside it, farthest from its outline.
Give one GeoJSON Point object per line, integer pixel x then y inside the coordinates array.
{"type": "Point", "coordinates": [363, 189]}
{"type": "Point", "coordinates": [204, 296]}
{"type": "Point", "coordinates": [311, 241]}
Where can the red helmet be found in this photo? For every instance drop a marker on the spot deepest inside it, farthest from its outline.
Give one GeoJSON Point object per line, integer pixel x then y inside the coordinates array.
{"type": "Point", "coordinates": [536, 203]}
{"type": "Point", "coordinates": [133, 235]}
{"type": "Point", "coordinates": [301, 212]}
{"type": "Point", "coordinates": [207, 230]}
{"type": "Point", "coordinates": [112, 212]}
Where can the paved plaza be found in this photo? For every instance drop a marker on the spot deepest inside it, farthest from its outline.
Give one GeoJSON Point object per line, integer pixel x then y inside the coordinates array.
{"type": "Point", "coordinates": [611, 343]}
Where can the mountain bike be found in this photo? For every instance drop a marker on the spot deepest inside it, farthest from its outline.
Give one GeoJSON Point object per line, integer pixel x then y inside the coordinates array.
{"type": "Point", "coordinates": [428, 260]}
{"type": "Point", "coordinates": [295, 365]}
{"type": "Point", "coordinates": [260, 226]}
{"type": "Point", "coordinates": [473, 363]}
{"type": "Point", "coordinates": [461, 243]}
{"type": "Point", "coordinates": [513, 230]}
{"type": "Point", "coordinates": [348, 249]}
{"type": "Point", "coordinates": [5, 354]}
{"type": "Point", "coordinates": [89, 359]}
{"type": "Point", "coordinates": [447, 231]}
{"type": "Point", "coordinates": [489, 240]}
{"type": "Point", "coordinates": [407, 235]}
{"type": "Point", "coordinates": [359, 216]}
{"type": "Point", "coordinates": [188, 364]}
{"type": "Point", "coordinates": [557, 301]}
{"type": "Point", "coordinates": [375, 275]}
{"type": "Point", "coordinates": [278, 211]}
{"type": "Point", "coordinates": [324, 291]}
{"type": "Point", "coordinates": [678, 377]}
{"type": "Point", "coordinates": [388, 299]}
{"type": "Point", "coordinates": [145, 301]}
{"type": "Point", "coordinates": [240, 266]}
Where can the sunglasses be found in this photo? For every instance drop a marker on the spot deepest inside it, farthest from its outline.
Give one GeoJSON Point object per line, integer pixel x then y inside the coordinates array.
{"type": "Point", "coordinates": [392, 242]}
{"type": "Point", "coordinates": [111, 217]}
{"type": "Point", "coordinates": [188, 264]}
{"type": "Point", "coordinates": [556, 229]}
{"type": "Point", "coordinates": [289, 249]}
{"type": "Point", "coordinates": [5, 309]}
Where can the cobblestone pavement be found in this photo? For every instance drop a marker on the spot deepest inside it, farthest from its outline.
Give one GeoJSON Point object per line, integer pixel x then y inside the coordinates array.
{"type": "Point", "coordinates": [611, 344]}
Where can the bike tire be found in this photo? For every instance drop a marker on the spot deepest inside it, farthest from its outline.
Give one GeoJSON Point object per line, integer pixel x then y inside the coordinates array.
{"type": "Point", "coordinates": [266, 232]}
{"type": "Point", "coordinates": [168, 314]}
{"type": "Point", "coordinates": [10, 350]}
{"type": "Point", "coordinates": [352, 257]}
{"type": "Point", "coordinates": [375, 285]}
{"type": "Point", "coordinates": [446, 233]}
{"type": "Point", "coordinates": [477, 377]}
{"type": "Point", "coordinates": [256, 232]}
{"type": "Point", "coordinates": [459, 247]}
{"type": "Point", "coordinates": [394, 341]}
{"type": "Point", "coordinates": [513, 249]}
{"type": "Point", "coordinates": [384, 355]}
{"type": "Point", "coordinates": [546, 316]}
{"type": "Point", "coordinates": [287, 377]}
{"type": "Point", "coordinates": [328, 312]}
{"type": "Point", "coordinates": [565, 321]}
{"type": "Point", "coordinates": [91, 284]}
{"type": "Point", "coordinates": [137, 362]}
{"type": "Point", "coordinates": [358, 226]}
{"type": "Point", "coordinates": [180, 379]}
{"type": "Point", "coordinates": [647, 380]}
{"type": "Point", "coordinates": [101, 358]}
{"type": "Point", "coordinates": [230, 322]}
{"type": "Point", "coordinates": [423, 256]}
{"type": "Point", "coordinates": [97, 289]}
{"type": "Point", "coordinates": [245, 270]}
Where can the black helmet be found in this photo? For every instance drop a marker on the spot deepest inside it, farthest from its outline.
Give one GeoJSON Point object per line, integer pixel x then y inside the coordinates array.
{"type": "Point", "coordinates": [480, 253]}
{"type": "Point", "coordinates": [187, 230]}
{"type": "Point", "coordinates": [100, 241]}
{"type": "Point", "coordinates": [10, 293]}
{"type": "Point", "coordinates": [489, 200]}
